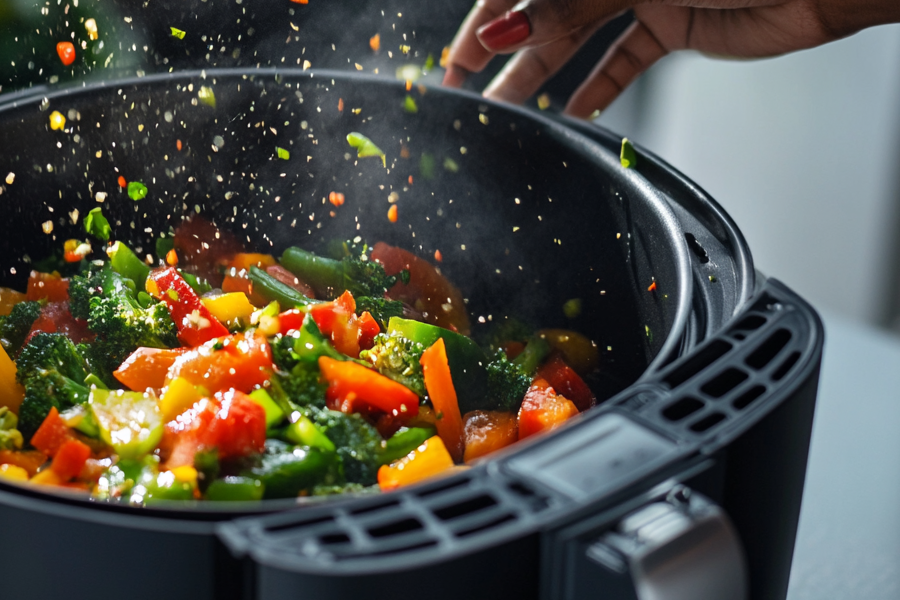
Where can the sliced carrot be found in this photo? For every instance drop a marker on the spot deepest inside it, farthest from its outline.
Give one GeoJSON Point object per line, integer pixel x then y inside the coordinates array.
{"type": "Point", "coordinates": [30, 460]}
{"type": "Point", "coordinates": [427, 460]}
{"type": "Point", "coordinates": [439, 384]}
{"type": "Point", "coordinates": [70, 459]}
{"type": "Point", "coordinates": [52, 434]}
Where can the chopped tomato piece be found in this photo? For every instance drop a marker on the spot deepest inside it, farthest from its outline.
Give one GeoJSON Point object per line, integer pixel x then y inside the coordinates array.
{"type": "Point", "coordinates": [337, 320]}
{"type": "Point", "coordinates": [566, 382]}
{"type": "Point", "coordinates": [148, 367]}
{"type": "Point", "coordinates": [429, 292]}
{"type": "Point", "coordinates": [240, 361]}
{"type": "Point", "coordinates": [52, 434]}
{"type": "Point", "coordinates": [47, 286]}
{"type": "Point", "coordinates": [70, 459]}
{"type": "Point", "coordinates": [488, 431]}
{"type": "Point", "coordinates": [439, 383]}
{"type": "Point", "coordinates": [195, 323]}
{"type": "Point", "coordinates": [425, 461]}
{"type": "Point", "coordinates": [56, 318]}
{"type": "Point", "coordinates": [350, 382]}
{"type": "Point", "coordinates": [239, 428]}
{"type": "Point", "coordinates": [204, 249]}
{"type": "Point", "coordinates": [543, 409]}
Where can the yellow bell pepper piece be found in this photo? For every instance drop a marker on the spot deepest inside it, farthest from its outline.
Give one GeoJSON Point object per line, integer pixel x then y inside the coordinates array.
{"type": "Point", "coordinates": [179, 396]}
{"type": "Point", "coordinates": [8, 299]}
{"type": "Point", "coordinates": [11, 393]}
{"type": "Point", "coordinates": [13, 472]}
{"type": "Point", "coordinates": [185, 474]}
{"type": "Point", "coordinates": [228, 307]}
{"type": "Point", "coordinates": [429, 459]}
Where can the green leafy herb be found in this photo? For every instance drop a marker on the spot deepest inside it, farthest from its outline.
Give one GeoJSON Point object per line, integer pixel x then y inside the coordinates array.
{"type": "Point", "coordinates": [628, 156]}
{"type": "Point", "coordinates": [427, 166]}
{"type": "Point", "coordinates": [409, 105]}
{"type": "Point", "coordinates": [177, 33]}
{"type": "Point", "coordinates": [207, 96]}
{"type": "Point", "coordinates": [365, 147]}
{"type": "Point", "coordinates": [137, 190]}
{"type": "Point", "coordinates": [429, 63]}
{"type": "Point", "coordinates": [282, 153]}
{"type": "Point", "coordinates": [95, 224]}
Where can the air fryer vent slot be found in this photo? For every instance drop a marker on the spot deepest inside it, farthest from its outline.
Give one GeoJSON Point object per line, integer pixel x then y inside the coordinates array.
{"type": "Point", "coordinates": [288, 525]}
{"type": "Point", "coordinates": [694, 365]}
{"type": "Point", "coordinates": [724, 383]}
{"type": "Point", "coordinates": [468, 507]}
{"type": "Point", "coordinates": [682, 408]}
{"type": "Point", "coordinates": [396, 528]}
{"type": "Point", "coordinates": [708, 422]}
{"type": "Point", "coordinates": [373, 507]}
{"type": "Point", "coordinates": [496, 522]}
{"type": "Point", "coordinates": [747, 398]}
{"type": "Point", "coordinates": [769, 349]}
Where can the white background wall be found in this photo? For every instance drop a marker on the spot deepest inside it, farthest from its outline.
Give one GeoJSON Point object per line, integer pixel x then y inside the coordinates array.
{"type": "Point", "coordinates": [802, 150]}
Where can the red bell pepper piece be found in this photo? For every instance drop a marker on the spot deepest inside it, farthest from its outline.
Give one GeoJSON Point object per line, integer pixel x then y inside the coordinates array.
{"type": "Point", "coordinates": [439, 383]}
{"type": "Point", "coordinates": [543, 409]}
{"type": "Point", "coordinates": [148, 367]}
{"type": "Point", "coordinates": [337, 320]}
{"type": "Point", "coordinates": [240, 361]}
{"type": "Point", "coordinates": [349, 382]}
{"type": "Point", "coordinates": [70, 459]}
{"type": "Point", "coordinates": [195, 323]}
{"type": "Point", "coordinates": [56, 318]}
{"type": "Point", "coordinates": [291, 320]}
{"type": "Point", "coordinates": [566, 382]}
{"type": "Point", "coordinates": [368, 329]}
{"type": "Point", "coordinates": [49, 286]}
{"type": "Point", "coordinates": [52, 434]}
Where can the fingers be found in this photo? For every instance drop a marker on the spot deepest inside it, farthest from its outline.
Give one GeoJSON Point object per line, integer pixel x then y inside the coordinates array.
{"type": "Point", "coordinates": [467, 54]}
{"type": "Point", "coordinates": [632, 54]}
{"type": "Point", "coordinates": [527, 71]}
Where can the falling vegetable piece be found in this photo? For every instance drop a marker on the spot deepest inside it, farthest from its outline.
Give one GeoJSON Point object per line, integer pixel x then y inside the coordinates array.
{"type": "Point", "coordinates": [392, 213]}
{"type": "Point", "coordinates": [137, 190]}
{"type": "Point", "coordinates": [95, 224]}
{"type": "Point", "coordinates": [282, 153]}
{"type": "Point", "coordinates": [451, 165]}
{"type": "Point", "coordinates": [66, 52]}
{"type": "Point", "coordinates": [365, 147]}
{"type": "Point", "coordinates": [628, 157]}
{"type": "Point", "coordinates": [429, 63]}
{"type": "Point", "coordinates": [375, 42]}
{"type": "Point", "coordinates": [439, 383]}
{"type": "Point", "coordinates": [207, 96]}
{"type": "Point", "coordinates": [177, 33]}
{"type": "Point", "coordinates": [57, 121]}
{"type": "Point", "coordinates": [409, 105]}
{"type": "Point", "coordinates": [336, 198]}
{"type": "Point", "coordinates": [91, 27]}
{"type": "Point", "coordinates": [543, 101]}
{"type": "Point", "coordinates": [427, 460]}
{"type": "Point", "coordinates": [75, 250]}
{"type": "Point", "coordinates": [572, 308]}
{"type": "Point", "coordinates": [121, 181]}
{"type": "Point", "coordinates": [652, 287]}
{"type": "Point", "coordinates": [340, 105]}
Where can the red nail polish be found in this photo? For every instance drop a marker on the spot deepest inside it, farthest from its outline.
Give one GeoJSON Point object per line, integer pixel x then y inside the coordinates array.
{"type": "Point", "coordinates": [505, 31]}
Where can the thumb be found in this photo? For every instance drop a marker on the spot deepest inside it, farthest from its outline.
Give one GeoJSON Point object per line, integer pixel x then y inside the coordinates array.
{"type": "Point", "coordinates": [538, 22]}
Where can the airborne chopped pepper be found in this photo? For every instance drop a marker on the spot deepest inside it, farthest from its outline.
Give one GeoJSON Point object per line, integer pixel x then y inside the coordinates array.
{"type": "Point", "coordinates": [365, 147]}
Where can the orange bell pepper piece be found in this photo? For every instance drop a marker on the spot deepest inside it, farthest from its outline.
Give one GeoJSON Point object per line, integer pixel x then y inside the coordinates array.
{"type": "Point", "coordinates": [543, 409]}
{"type": "Point", "coordinates": [427, 460]}
{"type": "Point", "coordinates": [30, 460]}
{"type": "Point", "coordinates": [47, 285]}
{"type": "Point", "coordinates": [147, 367]}
{"type": "Point", "coordinates": [439, 383]}
{"type": "Point", "coordinates": [349, 382]}
{"type": "Point", "coordinates": [487, 431]}
{"type": "Point", "coordinates": [239, 361]}
{"type": "Point", "coordinates": [52, 434]}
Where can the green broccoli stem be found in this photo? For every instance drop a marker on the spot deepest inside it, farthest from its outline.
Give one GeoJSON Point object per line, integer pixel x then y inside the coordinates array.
{"type": "Point", "coordinates": [126, 263]}
{"type": "Point", "coordinates": [271, 289]}
{"type": "Point", "coordinates": [531, 357]}
{"type": "Point", "coordinates": [320, 272]}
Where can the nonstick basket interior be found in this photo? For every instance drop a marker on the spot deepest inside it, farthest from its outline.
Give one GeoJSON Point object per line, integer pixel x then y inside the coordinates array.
{"type": "Point", "coordinates": [526, 214]}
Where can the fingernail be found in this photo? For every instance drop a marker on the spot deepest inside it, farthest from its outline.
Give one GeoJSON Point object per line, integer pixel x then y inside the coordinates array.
{"type": "Point", "coordinates": [505, 31]}
{"type": "Point", "coordinates": [455, 76]}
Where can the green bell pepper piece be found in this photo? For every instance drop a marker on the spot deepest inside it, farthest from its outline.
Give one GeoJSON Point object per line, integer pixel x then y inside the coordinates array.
{"type": "Point", "coordinates": [405, 441]}
{"type": "Point", "coordinates": [274, 414]}
{"type": "Point", "coordinates": [130, 422]}
{"type": "Point", "coordinates": [235, 489]}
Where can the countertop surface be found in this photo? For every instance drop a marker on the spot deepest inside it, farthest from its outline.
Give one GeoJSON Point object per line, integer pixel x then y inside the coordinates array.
{"type": "Point", "coordinates": [848, 543]}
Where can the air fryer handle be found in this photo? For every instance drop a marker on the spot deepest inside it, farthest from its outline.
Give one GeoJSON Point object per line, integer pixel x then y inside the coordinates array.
{"type": "Point", "coordinates": [678, 547]}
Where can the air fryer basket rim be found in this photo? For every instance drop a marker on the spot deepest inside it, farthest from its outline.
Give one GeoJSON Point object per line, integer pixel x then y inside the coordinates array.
{"type": "Point", "coordinates": [648, 194]}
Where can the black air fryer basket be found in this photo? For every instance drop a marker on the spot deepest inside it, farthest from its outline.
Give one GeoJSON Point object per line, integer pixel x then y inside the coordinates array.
{"type": "Point", "coordinates": [684, 483]}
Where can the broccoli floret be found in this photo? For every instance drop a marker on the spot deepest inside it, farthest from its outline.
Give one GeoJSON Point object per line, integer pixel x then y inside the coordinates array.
{"type": "Point", "coordinates": [122, 326]}
{"type": "Point", "coordinates": [357, 443]}
{"type": "Point", "coordinates": [14, 327]}
{"type": "Point", "coordinates": [509, 380]}
{"type": "Point", "coordinates": [10, 436]}
{"type": "Point", "coordinates": [96, 282]}
{"type": "Point", "coordinates": [44, 390]}
{"type": "Point", "coordinates": [507, 329]}
{"type": "Point", "coordinates": [381, 309]}
{"type": "Point", "coordinates": [353, 272]}
{"type": "Point", "coordinates": [50, 352]}
{"type": "Point", "coordinates": [283, 352]}
{"type": "Point", "coordinates": [397, 357]}
{"type": "Point", "coordinates": [302, 385]}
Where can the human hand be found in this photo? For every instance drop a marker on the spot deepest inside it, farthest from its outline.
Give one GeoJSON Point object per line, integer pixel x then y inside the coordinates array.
{"type": "Point", "coordinates": [545, 34]}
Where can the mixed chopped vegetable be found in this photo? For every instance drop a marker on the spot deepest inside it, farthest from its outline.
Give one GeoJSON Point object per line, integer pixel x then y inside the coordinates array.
{"type": "Point", "coordinates": [225, 375]}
